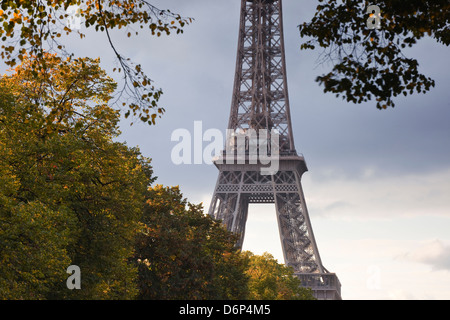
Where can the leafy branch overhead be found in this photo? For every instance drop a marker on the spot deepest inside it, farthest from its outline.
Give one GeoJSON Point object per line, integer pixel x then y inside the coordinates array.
{"type": "Point", "coordinates": [34, 27]}
{"type": "Point", "coordinates": [370, 63]}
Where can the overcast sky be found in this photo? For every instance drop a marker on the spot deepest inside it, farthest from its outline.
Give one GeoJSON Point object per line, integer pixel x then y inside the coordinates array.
{"type": "Point", "coordinates": [378, 186]}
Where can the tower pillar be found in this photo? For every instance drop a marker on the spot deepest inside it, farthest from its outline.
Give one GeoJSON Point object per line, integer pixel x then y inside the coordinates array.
{"type": "Point", "coordinates": [260, 112]}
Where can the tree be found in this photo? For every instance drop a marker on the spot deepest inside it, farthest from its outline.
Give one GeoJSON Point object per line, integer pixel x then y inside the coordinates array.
{"type": "Point", "coordinates": [370, 62]}
{"type": "Point", "coordinates": [183, 254]}
{"type": "Point", "coordinates": [71, 195]}
{"type": "Point", "coordinates": [34, 239]}
{"type": "Point", "coordinates": [37, 26]}
{"type": "Point", "coordinates": [68, 94]}
{"type": "Point", "coordinates": [270, 280]}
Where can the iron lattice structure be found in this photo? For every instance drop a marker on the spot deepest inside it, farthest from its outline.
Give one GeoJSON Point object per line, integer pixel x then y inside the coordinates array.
{"type": "Point", "coordinates": [261, 102]}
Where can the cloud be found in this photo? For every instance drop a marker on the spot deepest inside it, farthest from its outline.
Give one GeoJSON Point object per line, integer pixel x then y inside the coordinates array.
{"type": "Point", "coordinates": [370, 195]}
{"type": "Point", "coordinates": [400, 294]}
{"type": "Point", "coordinates": [434, 253]}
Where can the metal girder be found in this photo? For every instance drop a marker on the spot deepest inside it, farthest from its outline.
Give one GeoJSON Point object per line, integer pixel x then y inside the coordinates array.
{"type": "Point", "coordinates": [260, 102]}
{"type": "Point", "coordinates": [260, 96]}
{"type": "Point", "coordinates": [234, 192]}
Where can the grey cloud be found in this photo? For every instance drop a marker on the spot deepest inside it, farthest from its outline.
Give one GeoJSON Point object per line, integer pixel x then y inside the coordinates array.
{"type": "Point", "coordinates": [436, 254]}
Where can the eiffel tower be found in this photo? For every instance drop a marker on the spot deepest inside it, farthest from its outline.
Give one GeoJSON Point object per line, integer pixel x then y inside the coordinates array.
{"type": "Point", "coordinates": [260, 103]}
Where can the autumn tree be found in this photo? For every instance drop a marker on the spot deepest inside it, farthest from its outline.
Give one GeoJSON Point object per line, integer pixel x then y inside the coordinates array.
{"type": "Point", "coordinates": [183, 254]}
{"type": "Point", "coordinates": [34, 236]}
{"type": "Point", "coordinates": [69, 194]}
{"type": "Point", "coordinates": [270, 280]}
{"type": "Point", "coordinates": [366, 48]}
{"type": "Point", "coordinates": [35, 27]}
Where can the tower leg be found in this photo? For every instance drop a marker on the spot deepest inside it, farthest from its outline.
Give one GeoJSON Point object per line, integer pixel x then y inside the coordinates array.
{"type": "Point", "coordinates": [231, 207]}
{"type": "Point", "coordinates": [236, 190]}
{"type": "Point", "coordinates": [296, 235]}
{"type": "Point", "coordinates": [261, 102]}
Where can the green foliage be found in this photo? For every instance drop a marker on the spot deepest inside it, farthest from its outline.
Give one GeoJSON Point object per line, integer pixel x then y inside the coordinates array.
{"type": "Point", "coordinates": [36, 27]}
{"type": "Point", "coordinates": [183, 254]}
{"type": "Point", "coordinates": [70, 195]}
{"type": "Point", "coordinates": [371, 62]}
{"type": "Point", "coordinates": [67, 93]}
{"type": "Point", "coordinates": [33, 253]}
{"type": "Point", "coordinates": [270, 280]}
{"type": "Point", "coordinates": [73, 196]}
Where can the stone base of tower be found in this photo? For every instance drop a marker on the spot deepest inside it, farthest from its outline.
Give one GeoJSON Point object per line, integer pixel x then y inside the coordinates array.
{"type": "Point", "coordinates": [325, 286]}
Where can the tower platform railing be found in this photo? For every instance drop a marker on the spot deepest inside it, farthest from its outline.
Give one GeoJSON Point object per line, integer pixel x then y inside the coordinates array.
{"type": "Point", "coordinates": [325, 286]}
